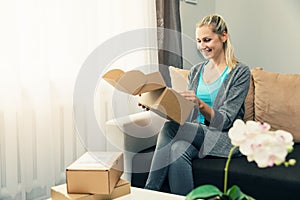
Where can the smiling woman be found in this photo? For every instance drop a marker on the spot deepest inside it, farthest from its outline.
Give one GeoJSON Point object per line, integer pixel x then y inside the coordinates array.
{"type": "Point", "coordinates": [219, 100]}
{"type": "Point", "coordinates": [43, 45]}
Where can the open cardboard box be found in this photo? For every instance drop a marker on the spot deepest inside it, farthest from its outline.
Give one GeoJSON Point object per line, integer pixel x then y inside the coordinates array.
{"type": "Point", "coordinates": [95, 173]}
{"type": "Point", "coordinates": [59, 192]}
{"type": "Point", "coordinates": [156, 96]}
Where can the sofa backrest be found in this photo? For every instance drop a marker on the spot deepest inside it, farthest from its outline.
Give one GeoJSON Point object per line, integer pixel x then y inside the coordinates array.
{"type": "Point", "coordinates": [249, 102]}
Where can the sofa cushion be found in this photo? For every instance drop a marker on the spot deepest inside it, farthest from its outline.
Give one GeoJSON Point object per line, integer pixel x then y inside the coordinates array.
{"type": "Point", "coordinates": [276, 100]}
{"type": "Point", "coordinates": [179, 78]}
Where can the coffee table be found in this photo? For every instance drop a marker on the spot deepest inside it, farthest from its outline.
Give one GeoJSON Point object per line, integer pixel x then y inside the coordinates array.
{"type": "Point", "coordinates": [143, 194]}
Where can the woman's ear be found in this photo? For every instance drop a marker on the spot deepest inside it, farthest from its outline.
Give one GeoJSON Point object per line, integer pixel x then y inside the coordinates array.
{"type": "Point", "coordinates": [224, 36]}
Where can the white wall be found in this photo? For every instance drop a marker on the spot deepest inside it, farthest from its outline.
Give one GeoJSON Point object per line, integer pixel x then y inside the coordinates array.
{"type": "Point", "coordinates": [191, 14]}
{"type": "Point", "coordinates": [264, 33]}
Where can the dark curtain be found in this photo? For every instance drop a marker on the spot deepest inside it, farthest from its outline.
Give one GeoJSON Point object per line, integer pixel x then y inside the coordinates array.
{"type": "Point", "coordinates": [169, 36]}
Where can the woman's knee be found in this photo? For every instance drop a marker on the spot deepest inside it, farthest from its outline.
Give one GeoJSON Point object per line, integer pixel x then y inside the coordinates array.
{"type": "Point", "coordinates": [170, 128]}
{"type": "Point", "coordinates": [178, 148]}
{"type": "Point", "coordinates": [184, 150]}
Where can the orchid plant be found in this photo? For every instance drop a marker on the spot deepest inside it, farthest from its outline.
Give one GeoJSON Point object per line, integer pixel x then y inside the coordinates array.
{"type": "Point", "coordinates": [261, 145]}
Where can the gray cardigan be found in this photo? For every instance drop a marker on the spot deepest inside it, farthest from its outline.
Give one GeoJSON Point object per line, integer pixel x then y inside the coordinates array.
{"type": "Point", "coordinates": [228, 106]}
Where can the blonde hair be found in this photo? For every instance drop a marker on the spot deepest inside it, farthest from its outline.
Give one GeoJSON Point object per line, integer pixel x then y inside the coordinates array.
{"type": "Point", "coordinates": [219, 27]}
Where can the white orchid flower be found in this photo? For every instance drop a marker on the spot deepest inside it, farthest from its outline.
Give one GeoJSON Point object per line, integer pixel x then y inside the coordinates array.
{"type": "Point", "coordinates": [259, 144]}
{"type": "Point", "coordinates": [285, 136]}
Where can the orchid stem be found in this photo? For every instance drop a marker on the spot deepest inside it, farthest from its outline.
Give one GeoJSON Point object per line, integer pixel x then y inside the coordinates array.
{"type": "Point", "coordinates": [226, 168]}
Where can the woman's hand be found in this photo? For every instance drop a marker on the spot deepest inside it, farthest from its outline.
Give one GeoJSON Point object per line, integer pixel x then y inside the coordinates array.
{"type": "Point", "coordinates": [206, 111]}
{"type": "Point", "coordinates": [190, 95]}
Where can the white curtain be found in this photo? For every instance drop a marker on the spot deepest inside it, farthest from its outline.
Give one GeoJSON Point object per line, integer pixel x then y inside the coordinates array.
{"type": "Point", "coordinates": [43, 44]}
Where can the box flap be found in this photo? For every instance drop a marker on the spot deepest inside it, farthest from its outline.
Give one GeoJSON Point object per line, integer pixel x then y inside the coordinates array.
{"type": "Point", "coordinates": [134, 82]}
{"type": "Point", "coordinates": [95, 161]}
{"type": "Point", "coordinates": [154, 81]}
{"type": "Point", "coordinates": [122, 183]}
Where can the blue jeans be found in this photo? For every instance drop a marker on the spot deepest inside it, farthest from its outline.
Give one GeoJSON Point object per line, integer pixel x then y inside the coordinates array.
{"type": "Point", "coordinates": [176, 147]}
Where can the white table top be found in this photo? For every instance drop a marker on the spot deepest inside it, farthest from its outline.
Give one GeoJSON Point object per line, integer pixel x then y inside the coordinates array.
{"type": "Point", "coordinates": [142, 194]}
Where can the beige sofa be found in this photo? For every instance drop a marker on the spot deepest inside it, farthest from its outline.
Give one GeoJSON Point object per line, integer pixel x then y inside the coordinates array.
{"type": "Point", "coordinates": [272, 98]}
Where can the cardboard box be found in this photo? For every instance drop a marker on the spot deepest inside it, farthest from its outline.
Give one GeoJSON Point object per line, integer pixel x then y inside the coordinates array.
{"type": "Point", "coordinates": [60, 192]}
{"type": "Point", "coordinates": [159, 98]}
{"type": "Point", "coordinates": [95, 173]}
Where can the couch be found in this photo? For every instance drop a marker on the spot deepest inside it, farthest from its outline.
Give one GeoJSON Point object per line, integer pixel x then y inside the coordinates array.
{"type": "Point", "coordinates": [273, 98]}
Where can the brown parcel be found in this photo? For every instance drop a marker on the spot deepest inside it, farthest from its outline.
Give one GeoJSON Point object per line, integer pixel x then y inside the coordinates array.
{"type": "Point", "coordinates": [161, 99]}
{"type": "Point", "coordinates": [95, 173]}
{"type": "Point", "coordinates": [60, 192]}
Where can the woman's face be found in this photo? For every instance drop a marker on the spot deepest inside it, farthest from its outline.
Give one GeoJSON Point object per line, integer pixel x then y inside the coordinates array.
{"type": "Point", "coordinates": [210, 44]}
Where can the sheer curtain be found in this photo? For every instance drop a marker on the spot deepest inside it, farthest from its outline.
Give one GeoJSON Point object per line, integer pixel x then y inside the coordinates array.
{"type": "Point", "coordinates": [43, 44]}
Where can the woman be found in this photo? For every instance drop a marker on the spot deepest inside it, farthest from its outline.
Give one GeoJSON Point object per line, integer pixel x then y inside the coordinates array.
{"type": "Point", "coordinates": [218, 86]}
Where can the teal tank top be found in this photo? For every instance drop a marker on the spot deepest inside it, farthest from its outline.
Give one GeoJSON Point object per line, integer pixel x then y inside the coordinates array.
{"type": "Point", "coordinates": [207, 92]}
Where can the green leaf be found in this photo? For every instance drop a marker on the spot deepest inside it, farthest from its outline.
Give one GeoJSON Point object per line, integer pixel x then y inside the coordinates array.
{"type": "Point", "coordinates": [203, 192]}
{"type": "Point", "coordinates": [235, 193]}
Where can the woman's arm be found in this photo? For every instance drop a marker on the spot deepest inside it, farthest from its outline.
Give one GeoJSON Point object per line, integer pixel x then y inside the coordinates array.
{"type": "Point", "coordinates": [229, 104]}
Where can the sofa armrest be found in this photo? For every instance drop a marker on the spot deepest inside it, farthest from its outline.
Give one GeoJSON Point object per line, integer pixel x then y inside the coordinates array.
{"type": "Point", "coordinates": [132, 134]}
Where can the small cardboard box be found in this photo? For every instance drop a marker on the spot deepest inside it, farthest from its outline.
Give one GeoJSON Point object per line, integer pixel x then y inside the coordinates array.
{"type": "Point", "coordinates": [60, 193]}
{"type": "Point", "coordinates": [159, 98]}
{"type": "Point", "coordinates": [95, 173]}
